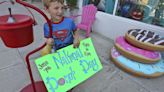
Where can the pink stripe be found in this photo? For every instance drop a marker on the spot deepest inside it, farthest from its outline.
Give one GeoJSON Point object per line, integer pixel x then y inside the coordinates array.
{"type": "Point", "coordinates": [148, 54]}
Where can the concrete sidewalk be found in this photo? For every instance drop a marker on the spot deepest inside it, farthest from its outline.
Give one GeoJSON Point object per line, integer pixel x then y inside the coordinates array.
{"type": "Point", "coordinates": [14, 75]}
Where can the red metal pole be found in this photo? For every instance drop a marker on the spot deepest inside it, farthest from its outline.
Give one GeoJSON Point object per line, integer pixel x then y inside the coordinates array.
{"type": "Point", "coordinates": [32, 52]}
{"type": "Point", "coordinates": [29, 67]}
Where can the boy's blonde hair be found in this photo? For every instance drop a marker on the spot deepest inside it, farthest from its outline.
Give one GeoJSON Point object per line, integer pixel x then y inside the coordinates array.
{"type": "Point", "coordinates": [46, 3]}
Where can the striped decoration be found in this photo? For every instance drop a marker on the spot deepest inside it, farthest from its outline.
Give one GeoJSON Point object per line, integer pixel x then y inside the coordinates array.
{"type": "Point", "coordinates": [146, 36]}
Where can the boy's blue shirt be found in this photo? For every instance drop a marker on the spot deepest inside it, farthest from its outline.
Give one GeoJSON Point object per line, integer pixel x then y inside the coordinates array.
{"type": "Point", "coordinates": [62, 32]}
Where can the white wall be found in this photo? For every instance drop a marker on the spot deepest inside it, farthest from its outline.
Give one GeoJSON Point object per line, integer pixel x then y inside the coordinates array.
{"type": "Point", "coordinates": [113, 26]}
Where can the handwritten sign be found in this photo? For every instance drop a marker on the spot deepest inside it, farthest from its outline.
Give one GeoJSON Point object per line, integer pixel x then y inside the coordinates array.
{"type": "Point", "coordinates": [68, 67]}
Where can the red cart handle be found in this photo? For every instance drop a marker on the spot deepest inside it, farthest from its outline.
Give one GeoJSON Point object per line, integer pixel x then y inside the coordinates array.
{"type": "Point", "coordinates": [38, 10]}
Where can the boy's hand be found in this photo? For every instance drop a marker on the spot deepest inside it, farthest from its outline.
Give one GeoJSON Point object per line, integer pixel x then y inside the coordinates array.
{"type": "Point", "coordinates": [50, 41]}
{"type": "Point", "coordinates": [76, 43]}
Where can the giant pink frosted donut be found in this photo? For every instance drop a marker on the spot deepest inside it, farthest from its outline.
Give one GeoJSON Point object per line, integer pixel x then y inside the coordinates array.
{"type": "Point", "coordinates": [145, 39]}
{"type": "Point", "coordinates": [135, 53]}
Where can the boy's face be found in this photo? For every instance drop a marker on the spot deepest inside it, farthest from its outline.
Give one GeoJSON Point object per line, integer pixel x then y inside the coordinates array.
{"type": "Point", "coordinates": [56, 10]}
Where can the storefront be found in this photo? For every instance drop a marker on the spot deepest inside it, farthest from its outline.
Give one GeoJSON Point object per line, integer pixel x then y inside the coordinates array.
{"type": "Point", "coordinates": [116, 18]}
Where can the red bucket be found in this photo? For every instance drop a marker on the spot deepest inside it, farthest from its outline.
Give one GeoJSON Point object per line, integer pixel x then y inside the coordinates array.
{"type": "Point", "coordinates": [17, 34]}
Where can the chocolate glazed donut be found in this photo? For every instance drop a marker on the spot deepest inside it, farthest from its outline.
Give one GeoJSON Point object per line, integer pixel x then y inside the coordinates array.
{"type": "Point", "coordinates": [145, 39]}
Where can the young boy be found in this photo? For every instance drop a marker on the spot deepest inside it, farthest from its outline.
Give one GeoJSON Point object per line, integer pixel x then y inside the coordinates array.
{"type": "Point", "coordinates": [64, 30]}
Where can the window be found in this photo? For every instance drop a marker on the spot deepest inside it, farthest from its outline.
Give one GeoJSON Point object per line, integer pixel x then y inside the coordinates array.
{"type": "Point", "coordinates": [148, 11]}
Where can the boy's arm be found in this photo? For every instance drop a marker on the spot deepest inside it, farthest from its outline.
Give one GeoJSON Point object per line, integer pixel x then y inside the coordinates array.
{"type": "Point", "coordinates": [76, 41]}
{"type": "Point", "coordinates": [49, 41]}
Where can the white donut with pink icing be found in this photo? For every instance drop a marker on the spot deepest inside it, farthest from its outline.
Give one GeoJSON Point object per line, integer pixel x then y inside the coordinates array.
{"type": "Point", "coordinates": [135, 53]}
{"type": "Point", "coordinates": [145, 39]}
